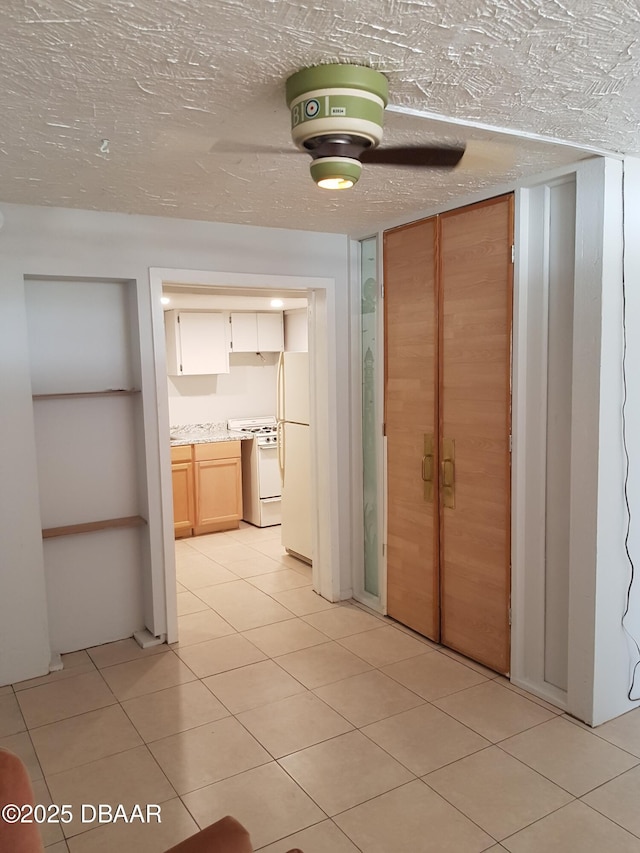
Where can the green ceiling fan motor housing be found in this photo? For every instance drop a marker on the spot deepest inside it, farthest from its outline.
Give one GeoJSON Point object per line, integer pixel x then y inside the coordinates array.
{"type": "Point", "coordinates": [336, 114]}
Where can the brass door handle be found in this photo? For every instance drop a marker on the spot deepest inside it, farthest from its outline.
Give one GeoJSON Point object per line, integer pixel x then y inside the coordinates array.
{"type": "Point", "coordinates": [427, 467]}
{"type": "Point", "coordinates": [448, 473]}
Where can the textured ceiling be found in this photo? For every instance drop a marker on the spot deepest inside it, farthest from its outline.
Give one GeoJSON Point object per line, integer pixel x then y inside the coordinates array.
{"type": "Point", "coordinates": [183, 90]}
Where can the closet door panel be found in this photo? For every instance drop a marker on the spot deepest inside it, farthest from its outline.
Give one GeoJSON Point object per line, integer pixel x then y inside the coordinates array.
{"type": "Point", "coordinates": [410, 401]}
{"type": "Point", "coordinates": [475, 412]}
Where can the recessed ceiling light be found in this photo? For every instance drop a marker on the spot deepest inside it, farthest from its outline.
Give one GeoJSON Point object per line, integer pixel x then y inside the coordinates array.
{"type": "Point", "coordinates": [277, 303]}
{"type": "Point", "coordinates": [165, 300]}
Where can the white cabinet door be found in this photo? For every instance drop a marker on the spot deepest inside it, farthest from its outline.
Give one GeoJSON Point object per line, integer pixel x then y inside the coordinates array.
{"type": "Point", "coordinates": [270, 332]}
{"type": "Point", "coordinates": [244, 332]}
{"type": "Point", "coordinates": [196, 343]}
{"type": "Point", "coordinates": [257, 332]}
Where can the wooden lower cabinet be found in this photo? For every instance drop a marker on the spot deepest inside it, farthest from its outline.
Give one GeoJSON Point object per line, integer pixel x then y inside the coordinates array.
{"type": "Point", "coordinates": [183, 494]}
{"type": "Point", "coordinates": [207, 487]}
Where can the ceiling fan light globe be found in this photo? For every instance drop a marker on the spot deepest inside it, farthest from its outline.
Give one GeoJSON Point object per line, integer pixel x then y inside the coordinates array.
{"type": "Point", "coordinates": [335, 173]}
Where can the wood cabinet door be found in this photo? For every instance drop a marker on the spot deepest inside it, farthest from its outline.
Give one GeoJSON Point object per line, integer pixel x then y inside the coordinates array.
{"type": "Point", "coordinates": [183, 504]}
{"type": "Point", "coordinates": [475, 424]}
{"type": "Point", "coordinates": [218, 494]}
{"type": "Point", "coordinates": [410, 415]}
{"type": "Point", "coordinates": [270, 331]}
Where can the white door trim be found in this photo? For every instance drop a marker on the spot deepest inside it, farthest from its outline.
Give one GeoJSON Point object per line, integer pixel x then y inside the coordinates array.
{"type": "Point", "coordinates": [319, 290]}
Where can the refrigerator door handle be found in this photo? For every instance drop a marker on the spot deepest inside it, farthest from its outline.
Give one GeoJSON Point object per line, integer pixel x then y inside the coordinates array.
{"type": "Point", "coordinates": [280, 389]}
{"type": "Point", "coordinates": [280, 439]}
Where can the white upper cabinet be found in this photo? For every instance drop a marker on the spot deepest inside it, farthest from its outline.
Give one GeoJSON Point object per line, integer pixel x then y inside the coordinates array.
{"type": "Point", "coordinates": [257, 332]}
{"type": "Point", "coordinates": [196, 342]}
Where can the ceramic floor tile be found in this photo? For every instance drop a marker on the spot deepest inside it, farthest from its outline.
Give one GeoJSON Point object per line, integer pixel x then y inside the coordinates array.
{"type": "Point", "coordinates": [79, 740]}
{"type": "Point", "coordinates": [343, 621]}
{"type": "Point", "coordinates": [433, 675]}
{"type": "Point", "coordinates": [253, 686]}
{"type": "Point", "coordinates": [303, 601]}
{"type": "Point", "coordinates": [493, 711]}
{"type": "Point", "coordinates": [383, 646]}
{"type": "Point", "coordinates": [229, 552]}
{"type": "Point", "coordinates": [572, 758]}
{"type": "Point", "coordinates": [284, 637]}
{"type": "Point", "coordinates": [180, 588]}
{"type": "Point", "coordinates": [11, 721]}
{"type": "Point", "coordinates": [322, 664]}
{"type": "Point", "coordinates": [244, 606]}
{"type": "Point", "coordinates": [200, 627]}
{"type": "Point", "coordinates": [279, 581]}
{"type": "Point", "coordinates": [123, 651]}
{"type": "Point", "coordinates": [7, 690]}
{"type": "Point", "coordinates": [504, 682]}
{"type": "Point", "coordinates": [174, 710]}
{"type": "Point", "coordinates": [577, 828]}
{"type": "Point", "coordinates": [60, 847]}
{"type": "Point", "coordinates": [128, 778]}
{"type": "Point", "coordinates": [175, 825]}
{"type": "Point", "coordinates": [73, 664]}
{"type": "Point", "coordinates": [424, 738]}
{"type": "Point", "coordinates": [138, 677]}
{"type": "Point", "coordinates": [257, 564]}
{"type": "Point", "coordinates": [265, 800]}
{"type": "Point", "coordinates": [293, 724]}
{"type": "Point", "coordinates": [272, 548]}
{"type": "Point", "coordinates": [411, 819]}
{"type": "Point", "coordinates": [250, 534]}
{"type": "Point", "coordinates": [619, 799]}
{"type": "Point", "coordinates": [208, 754]}
{"type": "Point", "coordinates": [368, 697]}
{"type": "Point", "coordinates": [51, 833]}
{"type": "Point", "coordinates": [497, 792]}
{"type": "Point", "coordinates": [290, 562]}
{"type": "Point", "coordinates": [66, 698]}
{"type": "Point", "coordinates": [623, 732]}
{"type": "Point", "coordinates": [187, 602]}
{"type": "Point", "coordinates": [213, 544]}
{"type": "Point", "coordinates": [472, 664]}
{"type": "Point", "coordinates": [364, 771]}
{"type": "Point", "coordinates": [21, 745]}
{"type": "Point", "coordinates": [198, 571]}
{"type": "Point", "coordinates": [220, 655]}
{"type": "Point", "coordinates": [324, 837]}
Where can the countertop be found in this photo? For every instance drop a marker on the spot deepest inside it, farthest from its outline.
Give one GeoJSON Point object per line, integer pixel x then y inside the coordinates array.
{"type": "Point", "coordinates": [204, 433]}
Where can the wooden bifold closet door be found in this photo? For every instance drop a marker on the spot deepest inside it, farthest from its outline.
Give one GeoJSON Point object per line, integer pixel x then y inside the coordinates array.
{"type": "Point", "coordinates": [448, 308]}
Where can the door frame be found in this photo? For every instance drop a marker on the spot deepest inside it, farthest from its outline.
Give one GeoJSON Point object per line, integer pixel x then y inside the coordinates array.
{"type": "Point", "coordinates": [319, 292]}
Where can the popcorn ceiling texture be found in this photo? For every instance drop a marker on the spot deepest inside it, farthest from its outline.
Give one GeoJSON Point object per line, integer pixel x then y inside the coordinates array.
{"type": "Point", "coordinates": [186, 90]}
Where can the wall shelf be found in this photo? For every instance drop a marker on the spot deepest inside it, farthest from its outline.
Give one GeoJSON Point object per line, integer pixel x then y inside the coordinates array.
{"type": "Point", "coordinates": [91, 526]}
{"type": "Point", "coordinates": [77, 394]}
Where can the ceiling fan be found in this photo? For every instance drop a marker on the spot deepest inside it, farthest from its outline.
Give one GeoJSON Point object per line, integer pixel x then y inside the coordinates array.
{"type": "Point", "coordinates": [337, 116]}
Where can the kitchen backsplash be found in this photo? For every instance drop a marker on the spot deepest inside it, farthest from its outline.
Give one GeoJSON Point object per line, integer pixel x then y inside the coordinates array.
{"type": "Point", "coordinates": [248, 390]}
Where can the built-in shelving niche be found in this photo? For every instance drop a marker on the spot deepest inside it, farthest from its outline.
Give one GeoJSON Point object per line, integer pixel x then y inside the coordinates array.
{"type": "Point", "coordinates": [87, 409]}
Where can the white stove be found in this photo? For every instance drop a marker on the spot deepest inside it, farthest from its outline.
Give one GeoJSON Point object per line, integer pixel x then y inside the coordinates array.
{"type": "Point", "coordinates": [261, 483]}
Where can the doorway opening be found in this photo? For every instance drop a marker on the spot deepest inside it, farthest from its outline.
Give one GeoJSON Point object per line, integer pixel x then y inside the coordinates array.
{"type": "Point", "coordinates": [305, 299]}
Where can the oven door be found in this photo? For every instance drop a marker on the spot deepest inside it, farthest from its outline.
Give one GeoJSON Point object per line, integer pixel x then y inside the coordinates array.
{"type": "Point", "coordinates": [268, 471]}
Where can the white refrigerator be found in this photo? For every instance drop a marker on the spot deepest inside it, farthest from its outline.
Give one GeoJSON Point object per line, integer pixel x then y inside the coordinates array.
{"type": "Point", "coordinates": [294, 452]}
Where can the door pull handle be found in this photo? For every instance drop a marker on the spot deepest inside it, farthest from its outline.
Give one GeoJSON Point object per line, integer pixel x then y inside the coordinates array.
{"type": "Point", "coordinates": [427, 471]}
{"type": "Point", "coordinates": [448, 473]}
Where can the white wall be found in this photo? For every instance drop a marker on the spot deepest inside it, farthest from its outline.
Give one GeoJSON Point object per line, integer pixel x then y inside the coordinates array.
{"type": "Point", "coordinates": [59, 243]}
{"type": "Point", "coordinates": [247, 391]}
{"type": "Point", "coordinates": [615, 651]}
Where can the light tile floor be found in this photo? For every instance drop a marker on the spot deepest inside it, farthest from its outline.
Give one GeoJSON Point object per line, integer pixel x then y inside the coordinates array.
{"type": "Point", "coordinates": [320, 726]}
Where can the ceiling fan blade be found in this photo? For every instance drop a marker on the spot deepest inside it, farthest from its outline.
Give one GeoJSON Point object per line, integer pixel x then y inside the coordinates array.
{"type": "Point", "coordinates": [430, 156]}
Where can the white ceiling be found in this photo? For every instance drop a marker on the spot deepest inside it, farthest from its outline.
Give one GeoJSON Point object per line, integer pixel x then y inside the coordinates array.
{"type": "Point", "coordinates": [182, 89]}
